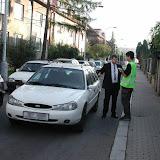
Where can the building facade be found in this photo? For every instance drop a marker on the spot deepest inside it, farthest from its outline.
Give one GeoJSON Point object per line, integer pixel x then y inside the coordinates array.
{"type": "Point", "coordinates": [26, 20]}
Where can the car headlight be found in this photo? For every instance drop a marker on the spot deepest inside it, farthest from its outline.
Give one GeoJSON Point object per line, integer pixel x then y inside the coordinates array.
{"type": "Point", "coordinates": [65, 107]}
{"type": "Point", "coordinates": [11, 80]}
{"type": "Point", "coordinates": [15, 102]}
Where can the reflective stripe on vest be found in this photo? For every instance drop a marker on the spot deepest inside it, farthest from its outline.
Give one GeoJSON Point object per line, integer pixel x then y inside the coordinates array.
{"type": "Point", "coordinates": [129, 81]}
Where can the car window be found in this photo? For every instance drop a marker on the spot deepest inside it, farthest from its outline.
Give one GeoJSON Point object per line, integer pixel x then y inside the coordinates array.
{"type": "Point", "coordinates": [31, 67]}
{"type": "Point", "coordinates": [88, 78]}
{"type": "Point", "coordinates": [97, 63]}
{"type": "Point", "coordinates": [59, 77]}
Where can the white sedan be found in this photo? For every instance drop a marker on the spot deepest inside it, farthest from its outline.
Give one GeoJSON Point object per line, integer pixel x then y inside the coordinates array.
{"type": "Point", "coordinates": [56, 94]}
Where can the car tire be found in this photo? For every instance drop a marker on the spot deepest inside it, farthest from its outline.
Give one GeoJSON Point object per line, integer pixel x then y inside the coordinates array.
{"type": "Point", "coordinates": [95, 107]}
{"type": "Point", "coordinates": [80, 126]}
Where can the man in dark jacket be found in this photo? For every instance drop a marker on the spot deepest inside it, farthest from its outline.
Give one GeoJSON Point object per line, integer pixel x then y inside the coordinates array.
{"type": "Point", "coordinates": [111, 84]}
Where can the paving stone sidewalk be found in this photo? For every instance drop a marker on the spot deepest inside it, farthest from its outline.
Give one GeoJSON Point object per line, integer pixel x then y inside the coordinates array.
{"type": "Point", "coordinates": [144, 128]}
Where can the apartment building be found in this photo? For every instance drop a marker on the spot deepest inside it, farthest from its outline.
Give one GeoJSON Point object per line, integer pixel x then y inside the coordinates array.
{"type": "Point", "coordinates": [26, 20]}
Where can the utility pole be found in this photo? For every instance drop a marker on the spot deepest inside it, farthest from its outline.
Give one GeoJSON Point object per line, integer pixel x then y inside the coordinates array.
{"type": "Point", "coordinates": [4, 67]}
{"type": "Point", "coordinates": [45, 32]}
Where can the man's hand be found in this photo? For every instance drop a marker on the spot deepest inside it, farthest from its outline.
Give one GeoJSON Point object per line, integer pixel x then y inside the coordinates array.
{"type": "Point", "coordinates": [120, 70]}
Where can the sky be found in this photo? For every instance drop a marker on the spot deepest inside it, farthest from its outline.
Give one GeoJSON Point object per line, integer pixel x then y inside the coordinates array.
{"type": "Point", "coordinates": [133, 20]}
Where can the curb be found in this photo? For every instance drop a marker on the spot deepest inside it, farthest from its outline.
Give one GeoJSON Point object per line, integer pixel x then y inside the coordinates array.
{"type": "Point", "coordinates": [119, 147]}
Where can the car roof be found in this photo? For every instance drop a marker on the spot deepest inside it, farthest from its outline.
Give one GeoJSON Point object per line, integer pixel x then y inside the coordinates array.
{"type": "Point", "coordinates": [65, 59]}
{"type": "Point", "coordinates": [39, 61]}
{"type": "Point", "coordinates": [67, 65]}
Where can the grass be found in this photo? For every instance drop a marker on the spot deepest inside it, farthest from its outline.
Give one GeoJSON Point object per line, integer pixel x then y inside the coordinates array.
{"type": "Point", "coordinates": [10, 72]}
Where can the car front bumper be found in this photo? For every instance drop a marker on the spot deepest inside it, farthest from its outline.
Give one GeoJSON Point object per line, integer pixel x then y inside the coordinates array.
{"type": "Point", "coordinates": [54, 116]}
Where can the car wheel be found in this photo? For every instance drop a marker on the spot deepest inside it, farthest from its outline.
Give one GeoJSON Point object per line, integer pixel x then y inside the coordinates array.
{"type": "Point", "coordinates": [95, 107]}
{"type": "Point", "coordinates": [80, 126]}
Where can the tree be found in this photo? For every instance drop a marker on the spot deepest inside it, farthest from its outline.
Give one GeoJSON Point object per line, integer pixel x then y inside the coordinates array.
{"type": "Point", "coordinates": [139, 50]}
{"type": "Point", "coordinates": [21, 52]}
{"type": "Point", "coordinates": [100, 51]}
{"type": "Point", "coordinates": [62, 51]}
{"type": "Point", "coordinates": [155, 40]}
{"type": "Point", "coordinates": [112, 44]}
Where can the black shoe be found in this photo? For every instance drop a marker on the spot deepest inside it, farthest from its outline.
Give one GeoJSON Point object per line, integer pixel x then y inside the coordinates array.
{"type": "Point", "coordinates": [114, 116]}
{"type": "Point", "coordinates": [125, 118]}
{"type": "Point", "coordinates": [103, 116]}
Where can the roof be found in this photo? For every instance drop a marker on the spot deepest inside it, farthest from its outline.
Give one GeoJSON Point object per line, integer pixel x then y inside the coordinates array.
{"type": "Point", "coordinates": [66, 65]}
{"type": "Point", "coordinates": [39, 61]}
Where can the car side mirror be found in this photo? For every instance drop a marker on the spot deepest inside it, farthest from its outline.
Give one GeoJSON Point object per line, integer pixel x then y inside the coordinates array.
{"type": "Point", "coordinates": [17, 69]}
{"type": "Point", "coordinates": [91, 87]}
{"type": "Point", "coordinates": [24, 81]}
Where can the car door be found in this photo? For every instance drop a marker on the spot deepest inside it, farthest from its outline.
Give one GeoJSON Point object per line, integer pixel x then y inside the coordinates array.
{"type": "Point", "coordinates": [90, 92]}
{"type": "Point", "coordinates": [96, 85]}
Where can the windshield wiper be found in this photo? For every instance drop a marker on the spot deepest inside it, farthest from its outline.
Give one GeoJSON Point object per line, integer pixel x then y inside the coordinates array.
{"type": "Point", "coordinates": [61, 85]}
{"type": "Point", "coordinates": [35, 83]}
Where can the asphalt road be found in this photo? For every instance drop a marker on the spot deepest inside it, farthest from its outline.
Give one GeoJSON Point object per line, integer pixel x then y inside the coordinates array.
{"type": "Point", "coordinates": [48, 142]}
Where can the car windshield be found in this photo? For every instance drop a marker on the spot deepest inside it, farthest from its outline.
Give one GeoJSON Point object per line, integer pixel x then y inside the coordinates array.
{"type": "Point", "coordinates": [58, 77]}
{"type": "Point", "coordinates": [91, 64]}
{"type": "Point", "coordinates": [81, 62]}
{"type": "Point", "coordinates": [97, 63]}
{"type": "Point", "coordinates": [31, 67]}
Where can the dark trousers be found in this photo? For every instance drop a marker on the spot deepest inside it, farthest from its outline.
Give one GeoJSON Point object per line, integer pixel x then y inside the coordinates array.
{"type": "Point", "coordinates": [125, 98]}
{"type": "Point", "coordinates": [113, 91]}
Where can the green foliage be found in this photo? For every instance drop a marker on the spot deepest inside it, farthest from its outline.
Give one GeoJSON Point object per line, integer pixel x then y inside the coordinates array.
{"type": "Point", "coordinates": [98, 51]}
{"type": "Point", "coordinates": [19, 53]}
{"type": "Point", "coordinates": [77, 9]}
{"type": "Point", "coordinates": [155, 41]}
{"type": "Point", "coordinates": [62, 51]}
{"type": "Point", "coordinates": [142, 50]}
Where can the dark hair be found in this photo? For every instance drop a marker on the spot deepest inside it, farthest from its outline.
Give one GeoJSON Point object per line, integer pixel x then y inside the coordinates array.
{"type": "Point", "coordinates": [130, 54]}
{"type": "Point", "coordinates": [114, 56]}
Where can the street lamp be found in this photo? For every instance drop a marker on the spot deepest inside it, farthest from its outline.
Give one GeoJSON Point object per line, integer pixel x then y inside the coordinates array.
{"type": "Point", "coordinates": [107, 29]}
{"type": "Point", "coordinates": [86, 35]}
{"type": "Point", "coordinates": [4, 68]}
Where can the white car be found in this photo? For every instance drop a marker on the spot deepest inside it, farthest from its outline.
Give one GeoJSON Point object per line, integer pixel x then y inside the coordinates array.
{"type": "Point", "coordinates": [99, 65]}
{"type": "Point", "coordinates": [21, 75]}
{"type": "Point", "coordinates": [56, 94]}
{"type": "Point", "coordinates": [65, 60]}
{"type": "Point", "coordinates": [2, 90]}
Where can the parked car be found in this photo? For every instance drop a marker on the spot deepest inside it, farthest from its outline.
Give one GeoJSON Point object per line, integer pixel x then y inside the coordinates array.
{"type": "Point", "coordinates": [64, 60]}
{"type": "Point", "coordinates": [21, 75]}
{"type": "Point", "coordinates": [99, 65]}
{"type": "Point", "coordinates": [92, 64]}
{"type": "Point", "coordinates": [104, 62]}
{"type": "Point", "coordinates": [84, 62]}
{"type": "Point", "coordinates": [56, 94]}
{"type": "Point", "coordinates": [2, 90]}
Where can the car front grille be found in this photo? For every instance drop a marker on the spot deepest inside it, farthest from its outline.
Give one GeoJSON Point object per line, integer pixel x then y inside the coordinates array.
{"type": "Point", "coordinates": [41, 106]}
{"type": "Point", "coordinates": [19, 82]}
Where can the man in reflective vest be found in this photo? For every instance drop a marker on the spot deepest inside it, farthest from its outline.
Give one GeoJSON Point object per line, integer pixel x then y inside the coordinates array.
{"type": "Point", "coordinates": [128, 84]}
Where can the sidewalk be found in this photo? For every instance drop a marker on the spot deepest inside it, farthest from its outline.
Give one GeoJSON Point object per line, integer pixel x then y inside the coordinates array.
{"type": "Point", "coordinates": [144, 128]}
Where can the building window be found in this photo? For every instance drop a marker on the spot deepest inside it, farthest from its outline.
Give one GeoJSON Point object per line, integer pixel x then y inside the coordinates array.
{"type": "Point", "coordinates": [17, 37]}
{"type": "Point", "coordinates": [38, 44]}
{"type": "Point", "coordinates": [18, 11]}
{"type": "Point", "coordinates": [39, 19]}
{"type": "Point", "coordinates": [2, 6]}
{"type": "Point", "coordinates": [70, 33]}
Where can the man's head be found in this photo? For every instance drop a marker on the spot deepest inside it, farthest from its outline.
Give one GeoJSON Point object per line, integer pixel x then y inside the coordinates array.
{"type": "Point", "coordinates": [130, 56]}
{"type": "Point", "coordinates": [114, 59]}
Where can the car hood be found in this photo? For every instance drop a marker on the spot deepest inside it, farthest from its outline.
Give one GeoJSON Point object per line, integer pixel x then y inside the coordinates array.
{"type": "Point", "coordinates": [46, 94]}
{"type": "Point", "coordinates": [21, 75]}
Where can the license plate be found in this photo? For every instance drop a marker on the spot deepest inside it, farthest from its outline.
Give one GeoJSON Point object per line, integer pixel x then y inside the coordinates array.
{"type": "Point", "coordinates": [35, 116]}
